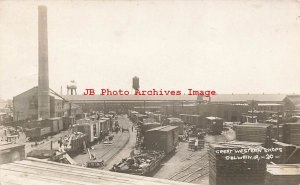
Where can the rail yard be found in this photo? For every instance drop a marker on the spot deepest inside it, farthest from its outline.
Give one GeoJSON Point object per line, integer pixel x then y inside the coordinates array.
{"type": "Point", "coordinates": [152, 137]}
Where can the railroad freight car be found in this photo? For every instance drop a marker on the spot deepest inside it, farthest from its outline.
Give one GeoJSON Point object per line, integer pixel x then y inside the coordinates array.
{"type": "Point", "coordinates": [148, 126]}
{"type": "Point", "coordinates": [138, 118]}
{"type": "Point", "coordinates": [155, 116]}
{"type": "Point", "coordinates": [131, 114]}
{"type": "Point", "coordinates": [104, 126]}
{"type": "Point", "coordinates": [37, 133]}
{"type": "Point", "coordinates": [291, 133]}
{"type": "Point", "coordinates": [183, 117]}
{"type": "Point", "coordinates": [163, 138]}
{"type": "Point", "coordinates": [196, 120]}
{"type": "Point", "coordinates": [56, 124]}
{"type": "Point", "coordinates": [158, 117]}
{"type": "Point", "coordinates": [87, 127]}
{"type": "Point", "coordinates": [215, 125]}
{"type": "Point", "coordinates": [175, 122]}
{"type": "Point", "coordinates": [109, 123]}
{"type": "Point", "coordinates": [33, 124]}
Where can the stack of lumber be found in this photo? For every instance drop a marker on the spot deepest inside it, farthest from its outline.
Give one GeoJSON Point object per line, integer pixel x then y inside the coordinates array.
{"type": "Point", "coordinates": [192, 143]}
{"type": "Point", "coordinates": [39, 172]}
{"type": "Point", "coordinates": [279, 174]}
{"type": "Point", "coordinates": [291, 133]}
{"type": "Point", "coordinates": [254, 132]}
{"type": "Point", "coordinates": [277, 132]}
{"type": "Point", "coordinates": [224, 171]}
{"type": "Point", "coordinates": [284, 156]}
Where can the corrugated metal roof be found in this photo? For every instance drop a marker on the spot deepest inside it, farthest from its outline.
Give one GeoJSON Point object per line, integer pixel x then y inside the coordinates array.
{"type": "Point", "coordinates": [38, 172]}
{"type": "Point", "coordinates": [152, 123]}
{"type": "Point", "coordinates": [79, 98]}
{"type": "Point", "coordinates": [295, 99]}
{"type": "Point", "coordinates": [163, 128]}
{"type": "Point", "coordinates": [247, 97]}
{"type": "Point", "coordinates": [157, 128]}
{"type": "Point", "coordinates": [168, 128]}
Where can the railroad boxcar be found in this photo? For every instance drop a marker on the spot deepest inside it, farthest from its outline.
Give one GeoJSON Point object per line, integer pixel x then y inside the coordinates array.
{"type": "Point", "coordinates": [110, 118]}
{"type": "Point", "coordinates": [131, 115]}
{"type": "Point", "coordinates": [183, 117]}
{"type": "Point", "coordinates": [37, 133]}
{"type": "Point", "coordinates": [138, 118]}
{"type": "Point", "coordinates": [108, 124]}
{"type": "Point", "coordinates": [56, 124]}
{"type": "Point", "coordinates": [175, 122]}
{"type": "Point", "coordinates": [148, 126]}
{"type": "Point", "coordinates": [104, 126]}
{"type": "Point", "coordinates": [33, 124]}
{"type": "Point", "coordinates": [196, 120]}
{"type": "Point", "coordinates": [157, 117]}
{"type": "Point", "coordinates": [163, 138]}
{"type": "Point", "coordinates": [87, 127]}
{"type": "Point", "coordinates": [199, 121]}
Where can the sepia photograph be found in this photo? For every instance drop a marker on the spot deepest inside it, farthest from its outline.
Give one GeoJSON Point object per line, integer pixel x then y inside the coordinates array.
{"type": "Point", "coordinates": [150, 92]}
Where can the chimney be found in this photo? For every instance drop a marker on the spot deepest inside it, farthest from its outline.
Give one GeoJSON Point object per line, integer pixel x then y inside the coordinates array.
{"type": "Point", "coordinates": [43, 84]}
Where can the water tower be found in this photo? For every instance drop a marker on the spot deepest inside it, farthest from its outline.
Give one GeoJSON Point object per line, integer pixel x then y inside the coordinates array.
{"type": "Point", "coordinates": [135, 83]}
{"type": "Point", "coordinates": [72, 88]}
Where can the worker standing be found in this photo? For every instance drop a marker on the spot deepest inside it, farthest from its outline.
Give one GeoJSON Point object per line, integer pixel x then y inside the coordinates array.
{"type": "Point", "coordinates": [196, 145]}
{"type": "Point", "coordinates": [60, 142]}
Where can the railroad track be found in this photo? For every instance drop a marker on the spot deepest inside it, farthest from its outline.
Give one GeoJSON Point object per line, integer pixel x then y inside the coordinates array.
{"type": "Point", "coordinates": [193, 171]}
{"type": "Point", "coordinates": [112, 147]}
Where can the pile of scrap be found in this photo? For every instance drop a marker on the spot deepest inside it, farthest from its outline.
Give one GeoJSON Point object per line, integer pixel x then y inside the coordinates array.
{"type": "Point", "coordinates": [215, 125]}
{"type": "Point", "coordinates": [227, 166]}
{"type": "Point", "coordinates": [75, 143]}
{"type": "Point", "coordinates": [291, 133]}
{"type": "Point", "coordinates": [279, 174]}
{"type": "Point", "coordinates": [254, 132]}
{"type": "Point", "coordinates": [52, 155]}
{"type": "Point", "coordinates": [290, 154]}
{"type": "Point", "coordinates": [139, 164]}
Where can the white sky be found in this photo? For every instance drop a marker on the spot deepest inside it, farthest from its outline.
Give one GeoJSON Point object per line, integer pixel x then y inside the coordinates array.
{"type": "Point", "coordinates": [226, 46]}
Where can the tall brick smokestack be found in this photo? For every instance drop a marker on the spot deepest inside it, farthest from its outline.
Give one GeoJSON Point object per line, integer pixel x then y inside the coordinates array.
{"type": "Point", "coordinates": [43, 85]}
